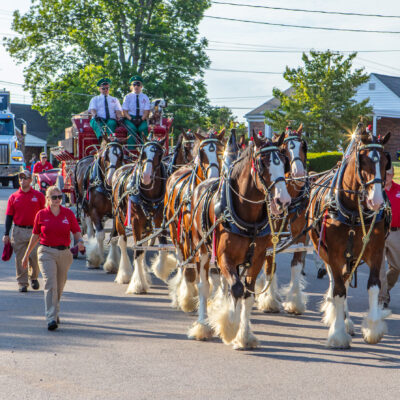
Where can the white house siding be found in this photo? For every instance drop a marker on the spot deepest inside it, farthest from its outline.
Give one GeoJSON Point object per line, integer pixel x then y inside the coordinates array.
{"type": "Point", "coordinates": [381, 98]}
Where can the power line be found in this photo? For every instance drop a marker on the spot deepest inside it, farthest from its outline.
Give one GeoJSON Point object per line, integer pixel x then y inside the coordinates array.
{"type": "Point", "coordinates": [300, 26]}
{"type": "Point", "coordinates": [301, 51]}
{"type": "Point", "coordinates": [307, 11]}
{"type": "Point", "coordinates": [243, 71]}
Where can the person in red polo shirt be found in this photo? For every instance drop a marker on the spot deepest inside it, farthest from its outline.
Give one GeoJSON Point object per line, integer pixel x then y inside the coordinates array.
{"type": "Point", "coordinates": [392, 250]}
{"type": "Point", "coordinates": [22, 207]}
{"type": "Point", "coordinates": [52, 227]}
{"type": "Point", "coordinates": [42, 165]}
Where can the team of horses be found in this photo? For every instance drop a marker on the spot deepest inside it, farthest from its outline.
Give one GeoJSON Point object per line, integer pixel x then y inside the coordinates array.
{"type": "Point", "coordinates": [227, 210]}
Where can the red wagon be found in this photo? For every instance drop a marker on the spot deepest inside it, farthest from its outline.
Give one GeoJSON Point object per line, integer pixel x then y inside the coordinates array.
{"type": "Point", "coordinates": [82, 142]}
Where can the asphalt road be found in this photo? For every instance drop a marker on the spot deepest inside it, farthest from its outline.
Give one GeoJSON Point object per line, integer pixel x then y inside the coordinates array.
{"type": "Point", "coordinates": [116, 346]}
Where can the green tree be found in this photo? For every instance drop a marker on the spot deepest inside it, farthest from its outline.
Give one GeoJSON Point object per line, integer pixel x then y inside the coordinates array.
{"type": "Point", "coordinates": [321, 98]}
{"type": "Point", "coordinates": [219, 117]}
{"type": "Point", "coordinates": [69, 44]}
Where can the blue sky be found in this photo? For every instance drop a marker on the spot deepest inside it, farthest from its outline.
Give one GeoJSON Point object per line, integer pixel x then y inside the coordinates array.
{"type": "Point", "coordinates": [243, 91]}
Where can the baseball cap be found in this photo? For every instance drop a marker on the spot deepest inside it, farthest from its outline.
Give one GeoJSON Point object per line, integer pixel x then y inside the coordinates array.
{"type": "Point", "coordinates": [26, 173]}
{"type": "Point", "coordinates": [43, 154]}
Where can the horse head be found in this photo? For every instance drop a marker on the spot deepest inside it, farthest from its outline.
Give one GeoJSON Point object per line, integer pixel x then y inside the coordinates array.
{"type": "Point", "coordinates": [371, 165]}
{"type": "Point", "coordinates": [187, 144]}
{"type": "Point", "coordinates": [294, 147]}
{"type": "Point", "coordinates": [207, 149]}
{"type": "Point", "coordinates": [150, 159]}
{"type": "Point", "coordinates": [111, 158]}
{"type": "Point", "coordinates": [268, 164]}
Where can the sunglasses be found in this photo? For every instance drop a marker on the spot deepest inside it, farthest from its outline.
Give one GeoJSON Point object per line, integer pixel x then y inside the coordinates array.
{"type": "Point", "coordinates": [57, 197]}
{"type": "Point", "coordinates": [23, 177]}
{"type": "Point", "coordinates": [136, 84]}
{"type": "Point", "coordinates": [105, 88]}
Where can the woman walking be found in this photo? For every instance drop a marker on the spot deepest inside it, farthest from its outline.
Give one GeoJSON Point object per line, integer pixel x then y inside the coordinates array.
{"type": "Point", "coordinates": [52, 227]}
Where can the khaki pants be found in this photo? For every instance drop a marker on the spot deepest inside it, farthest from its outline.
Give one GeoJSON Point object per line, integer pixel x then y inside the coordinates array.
{"type": "Point", "coordinates": [19, 240]}
{"type": "Point", "coordinates": [54, 265]}
{"type": "Point", "coordinates": [392, 253]}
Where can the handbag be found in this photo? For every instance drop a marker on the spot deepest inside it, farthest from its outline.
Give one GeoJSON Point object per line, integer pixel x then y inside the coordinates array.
{"type": "Point", "coordinates": [7, 252]}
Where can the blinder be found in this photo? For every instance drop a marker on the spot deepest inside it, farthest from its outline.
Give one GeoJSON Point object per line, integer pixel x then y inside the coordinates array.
{"type": "Point", "coordinates": [369, 147]}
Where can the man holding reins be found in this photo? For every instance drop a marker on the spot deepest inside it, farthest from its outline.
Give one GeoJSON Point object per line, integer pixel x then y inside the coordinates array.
{"type": "Point", "coordinates": [105, 110]}
{"type": "Point", "coordinates": [136, 108]}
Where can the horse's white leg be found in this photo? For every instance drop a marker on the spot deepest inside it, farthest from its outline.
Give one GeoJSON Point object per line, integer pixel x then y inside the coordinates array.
{"type": "Point", "coordinates": [95, 250]}
{"type": "Point", "coordinates": [89, 227]}
{"type": "Point", "coordinates": [295, 297]}
{"type": "Point", "coordinates": [373, 326]}
{"type": "Point", "coordinates": [327, 307]}
{"type": "Point", "coordinates": [245, 338]}
{"type": "Point", "coordinates": [113, 257]}
{"type": "Point", "coordinates": [140, 281]}
{"type": "Point", "coordinates": [338, 337]}
{"type": "Point", "coordinates": [174, 282]}
{"type": "Point", "coordinates": [224, 317]}
{"type": "Point", "coordinates": [163, 265]}
{"type": "Point", "coordinates": [270, 301]}
{"type": "Point", "coordinates": [125, 267]}
{"type": "Point", "coordinates": [348, 321]}
{"type": "Point", "coordinates": [214, 278]}
{"type": "Point", "coordinates": [201, 330]}
{"type": "Point", "coordinates": [187, 291]}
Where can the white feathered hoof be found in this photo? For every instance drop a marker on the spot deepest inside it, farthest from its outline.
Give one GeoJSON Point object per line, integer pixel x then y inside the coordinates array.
{"type": "Point", "coordinates": [349, 326]}
{"type": "Point", "coordinates": [338, 339]}
{"type": "Point", "coordinates": [137, 287]}
{"type": "Point", "coordinates": [188, 299]}
{"type": "Point", "coordinates": [245, 343]}
{"type": "Point", "coordinates": [329, 313]}
{"type": "Point", "coordinates": [268, 303]}
{"type": "Point", "coordinates": [224, 320]}
{"type": "Point", "coordinates": [294, 307]}
{"type": "Point", "coordinates": [94, 257]}
{"type": "Point", "coordinates": [110, 267]}
{"type": "Point", "coordinates": [122, 277]}
{"type": "Point", "coordinates": [90, 266]}
{"type": "Point", "coordinates": [200, 331]}
{"type": "Point", "coordinates": [373, 330]}
{"type": "Point", "coordinates": [163, 265]}
{"type": "Point", "coordinates": [140, 281]}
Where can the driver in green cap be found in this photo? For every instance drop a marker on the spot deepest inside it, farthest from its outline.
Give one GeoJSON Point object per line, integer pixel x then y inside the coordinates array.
{"type": "Point", "coordinates": [136, 108]}
{"type": "Point", "coordinates": [105, 109]}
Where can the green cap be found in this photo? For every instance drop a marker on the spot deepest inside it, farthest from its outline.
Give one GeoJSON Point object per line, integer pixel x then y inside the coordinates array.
{"type": "Point", "coordinates": [104, 81]}
{"type": "Point", "coordinates": [136, 78]}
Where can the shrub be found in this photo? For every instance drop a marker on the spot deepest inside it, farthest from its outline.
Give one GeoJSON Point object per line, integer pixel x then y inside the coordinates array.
{"type": "Point", "coordinates": [319, 162]}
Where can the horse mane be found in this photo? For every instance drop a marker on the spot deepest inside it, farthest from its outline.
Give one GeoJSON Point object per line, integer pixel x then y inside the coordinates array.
{"type": "Point", "coordinates": [178, 143]}
{"type": "Point", "coordinates": [241, 163]}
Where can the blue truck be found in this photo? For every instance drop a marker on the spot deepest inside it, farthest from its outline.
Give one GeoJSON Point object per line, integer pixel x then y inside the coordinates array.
{"type": "Point", "coordinates": [11, 156]}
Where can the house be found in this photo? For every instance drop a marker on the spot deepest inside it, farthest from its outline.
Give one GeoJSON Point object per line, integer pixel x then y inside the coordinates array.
{"type": "Point", "coordinates": [37, 129]}
{"type": "Point", "coordinates": [383, 92]}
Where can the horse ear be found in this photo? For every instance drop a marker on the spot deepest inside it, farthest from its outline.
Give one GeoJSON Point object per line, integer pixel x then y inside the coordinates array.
{"type": "Point", "coordinates": [385, 139]}
{"type": "Point", "coordinates": [280, 140]}
{"type": "Point", "coordinates": [300, 129]}
{"type": "Point", "coordinates": [220, 135]}
{"type": "Point", "coordinates": [258, 141]}
{"type": "Point", "coordinates": [198, 135]}
{"type": "Point", "coordinates": [242, 141]}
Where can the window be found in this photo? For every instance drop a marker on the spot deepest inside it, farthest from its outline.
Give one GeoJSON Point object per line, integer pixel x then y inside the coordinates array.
{"type": "Point", "coordinates": [6, 126]}
{"type": "Point", "coordinates": [372, 86]}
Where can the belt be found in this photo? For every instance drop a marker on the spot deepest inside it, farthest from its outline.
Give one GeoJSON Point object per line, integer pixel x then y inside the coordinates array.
{"type": "Point", "coordinates": [394, 229]}
{"type": "Point", "coordinates": [24, 226]}
{"type": "Point", "coordinates": [56, 247]}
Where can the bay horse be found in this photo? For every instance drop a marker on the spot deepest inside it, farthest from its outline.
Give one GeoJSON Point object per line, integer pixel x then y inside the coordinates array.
{"type": "Point", "coordinates": [182, 154]}
{"type": "Point", "coordinates": [93, 176]}
{"type": "Point", "coordinates": [178, 202]}
{"type": "Point", "coordinates": [138, 195]}
{"type": "Point", "coordinates": [246, 199]}
{"type": "Point", "coordinates": [350, 218]}
{"type": "Point", "coordinates": [294, 147]}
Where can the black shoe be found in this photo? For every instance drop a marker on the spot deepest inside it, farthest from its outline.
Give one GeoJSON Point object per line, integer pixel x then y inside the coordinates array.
{"type": "Point", "coordinates": [35, 284]}
{"type": "Point", "coordinates": [23, 289]}
{"type": "Point", "coordinates": [52, 326]}
{"type": "Point", "coordinates": [386, 304]}
{"type": "Point", "coordinates": [58, 320]}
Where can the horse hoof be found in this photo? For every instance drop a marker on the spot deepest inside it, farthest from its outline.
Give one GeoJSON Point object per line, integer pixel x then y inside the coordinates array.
{"type": "Point", "coordinates": [251, 342]}
{"type": "Point", "coordinates": [91, 266]}
{"type": "Point", "coordinates": [321, 273]}
{"type": "Point", "coordinates": [200, 331]}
